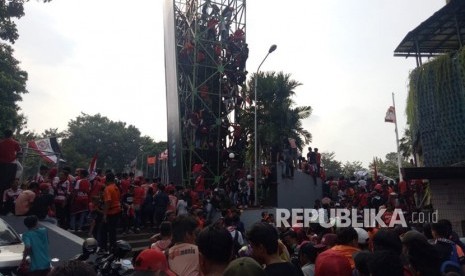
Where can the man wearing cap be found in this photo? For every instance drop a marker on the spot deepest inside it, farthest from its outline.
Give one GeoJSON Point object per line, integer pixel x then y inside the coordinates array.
{"type": "Point", "coordinates": [363, 238]}
{"type": "Point", "coordinates": [244, 266]}
{"type": "Point", "coordinates": [327, 241]}
{"type": "Point", "coordinates": [151, 262]}
{"type": "Point", "coordinates": [263, 238]}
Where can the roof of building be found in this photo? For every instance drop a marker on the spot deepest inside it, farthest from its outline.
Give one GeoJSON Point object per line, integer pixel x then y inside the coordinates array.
{"type": "Point", "coordinates": [433, 173]}
{"type": "Point", "coordinates": [443, 32]}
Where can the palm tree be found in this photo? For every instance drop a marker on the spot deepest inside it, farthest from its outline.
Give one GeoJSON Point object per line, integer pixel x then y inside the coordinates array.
{"type": "Point", "coordinates": [277, 118]}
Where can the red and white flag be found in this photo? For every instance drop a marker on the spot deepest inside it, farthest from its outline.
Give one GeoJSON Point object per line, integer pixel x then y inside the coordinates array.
{"type": "Point", "coordinates": [93, 164]}
{"type": "Point", "coordinates": [47, 148]}
{"type": "Point", "coordinates": [164, 155]}
{"type": "Point", "coordinates": [390, 115]}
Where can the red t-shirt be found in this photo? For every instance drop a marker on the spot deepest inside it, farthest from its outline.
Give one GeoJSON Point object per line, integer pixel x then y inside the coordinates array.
{"type": "Point", "coordinates": [200, 184]}
{"type": "Point", "coordinates": [8, 149]}
{"type": "Point", "coordinates": [197, 168]}
{"type": "Point", "coordinates": [97, 187]}
{"type": "Point", "coordinates": [81, 196]}
{"type": "Point", "coordinates": [402, 187]}
{"type": "Point", "coordinates": [125, 183]}
{"type": "Point", "coordinates": [139, 195]}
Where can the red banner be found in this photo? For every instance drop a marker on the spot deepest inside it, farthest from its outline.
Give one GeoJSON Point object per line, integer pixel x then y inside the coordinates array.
{"type": "Point", "coordinates": [151, 160]}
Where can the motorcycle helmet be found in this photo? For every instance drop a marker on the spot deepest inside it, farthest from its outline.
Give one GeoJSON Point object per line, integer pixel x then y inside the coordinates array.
{"type": "Point", "coordinates": [122, 248]}
{"type": "Point", "coordinates": [89, 245]}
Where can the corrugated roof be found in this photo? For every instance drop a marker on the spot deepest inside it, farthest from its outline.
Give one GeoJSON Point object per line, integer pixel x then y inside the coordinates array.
{"type": "Point", "coordinates": [443, 32]}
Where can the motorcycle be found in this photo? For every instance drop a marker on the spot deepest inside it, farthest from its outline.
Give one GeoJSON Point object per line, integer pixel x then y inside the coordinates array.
{"type": "Point", "coordinates": [107, 263]}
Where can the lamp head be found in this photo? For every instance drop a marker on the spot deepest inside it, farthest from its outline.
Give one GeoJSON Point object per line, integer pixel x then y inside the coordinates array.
{"type": "Point", "coordinates": [272, 48]}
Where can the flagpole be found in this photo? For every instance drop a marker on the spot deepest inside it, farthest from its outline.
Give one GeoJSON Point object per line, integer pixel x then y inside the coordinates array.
{"type": "Point", "coordinates": [397, 137]}
{"type": "Point", "coordinates": [146, 167]}
{"type": "Point", "coordinates": [22, 162]}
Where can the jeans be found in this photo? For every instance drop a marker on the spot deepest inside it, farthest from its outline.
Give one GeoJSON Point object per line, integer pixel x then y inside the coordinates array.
{"type": "Point", "coordinates": [81, 220]}
{"type": "Point", "coordinates": [233, 197]}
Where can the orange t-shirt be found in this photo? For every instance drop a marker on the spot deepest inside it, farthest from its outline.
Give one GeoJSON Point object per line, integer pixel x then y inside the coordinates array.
{"type": "Point", "coordinates": [112, 194]}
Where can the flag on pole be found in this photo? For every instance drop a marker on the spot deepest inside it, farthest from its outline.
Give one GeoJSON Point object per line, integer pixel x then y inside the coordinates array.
{"type": "Point", "coordinates": [151, 160]}
{"type": "Point", "coordinates": [133, 164]}
{"type": "Point", "coordinates": [390, 115]}
{"type": "Point", "coordinates": [164, 155]}
{"type": "Point", "coordinates": [292, 143]}
{"type": "Point", "coordinates": [375, 170]}
{"type": "Point", "coordinates": [47, 148]}
{"type": "Point", "coordinates": [93, 165]}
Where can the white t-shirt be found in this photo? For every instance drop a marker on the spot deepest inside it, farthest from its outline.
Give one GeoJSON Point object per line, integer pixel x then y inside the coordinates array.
{"type": "Point", "coordinates": [183, 259]}
{"type": "Point", "coordinates": [308, 269]}
{"type": "Point", "coordinates": [182, 207]}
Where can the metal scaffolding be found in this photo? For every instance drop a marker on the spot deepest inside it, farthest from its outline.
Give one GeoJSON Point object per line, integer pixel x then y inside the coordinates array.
{"type": "Point", "coordinates": [211, 54]}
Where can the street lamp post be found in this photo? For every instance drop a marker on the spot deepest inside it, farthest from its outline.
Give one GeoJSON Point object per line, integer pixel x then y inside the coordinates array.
{"type": "Point", "coordinates": [271, 50]}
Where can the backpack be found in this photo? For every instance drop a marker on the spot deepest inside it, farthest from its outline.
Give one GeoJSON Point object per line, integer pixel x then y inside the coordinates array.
{"type": "Point", "coordinates": [453, 262]}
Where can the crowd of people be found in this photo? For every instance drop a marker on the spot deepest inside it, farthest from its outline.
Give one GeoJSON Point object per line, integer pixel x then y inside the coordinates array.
{"type": "Point", "coordinates": [197, 234]}
{"type": "Point", "coordinates": [185, 246]}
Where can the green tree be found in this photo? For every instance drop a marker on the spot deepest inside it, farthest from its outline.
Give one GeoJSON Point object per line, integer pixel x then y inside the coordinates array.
{"type": "Point", "coordinates": [349, 168]}
{"type": "Point", "coordinates": [12, 86]}
{"type": "Point", "coordinates": [332, 167]}
{"type": "Point", "coordinates": [115, 143]}
{"type": "Point", "coordinates": [12, 78]}
{"type": "Point", "coordinates": [277, 118]}
{"type": "Point", "coordinates": [388, 167]}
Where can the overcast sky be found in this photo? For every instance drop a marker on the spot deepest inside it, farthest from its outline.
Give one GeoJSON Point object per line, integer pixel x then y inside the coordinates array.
{"type": "Point", "coordinates": [106, 56]}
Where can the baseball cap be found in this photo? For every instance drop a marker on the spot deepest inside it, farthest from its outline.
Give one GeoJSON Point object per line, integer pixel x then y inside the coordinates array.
{"type": "Point", "coordinates": [244, 266]}
{"type": "Point", "coordinates": [328, 240]}
{"type": "Point", "coordinates": [152, 260]}
{"type": "Point", "coordinates": [362, 235]}
{"type": "Point", "coordinates": [412, 235]}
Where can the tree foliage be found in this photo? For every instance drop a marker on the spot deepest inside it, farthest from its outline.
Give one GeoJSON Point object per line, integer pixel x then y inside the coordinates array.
{"type": "Point", "coordinates": [331, 165]}
{"type": "Point", "coordinates": [12, 78]}
{"type": "Point", "coordinates": [277, 118]}
{"type": "Point", "coordinates": [115, 143]}
{"type": "Point", "coordinates": [12, 85]}
{"type": "Point", "coordinates": [349, 168]}
{"type": "Point", "coordinates": [388, 167]}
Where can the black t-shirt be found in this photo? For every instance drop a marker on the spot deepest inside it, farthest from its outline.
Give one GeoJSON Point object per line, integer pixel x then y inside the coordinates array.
{"type": "Point", "coordinates": [41, 204]}
{"type": "Point", "coordinates": [280, 269]}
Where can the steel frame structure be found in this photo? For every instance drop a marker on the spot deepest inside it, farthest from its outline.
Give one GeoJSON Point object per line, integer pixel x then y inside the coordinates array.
{"type": "Point", "coordinates": [210, 61]}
